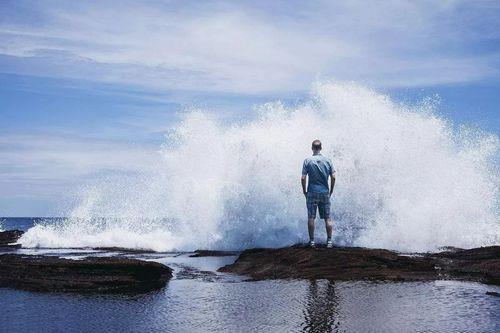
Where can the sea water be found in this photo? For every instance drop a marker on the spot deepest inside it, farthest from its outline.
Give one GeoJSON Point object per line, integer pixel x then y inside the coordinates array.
{"type": "Point", "coordinates": [267, 306]}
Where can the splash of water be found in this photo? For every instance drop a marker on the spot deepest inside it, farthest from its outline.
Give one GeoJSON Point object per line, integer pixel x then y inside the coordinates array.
{"type": "Point", "coordinates": [406, 181]}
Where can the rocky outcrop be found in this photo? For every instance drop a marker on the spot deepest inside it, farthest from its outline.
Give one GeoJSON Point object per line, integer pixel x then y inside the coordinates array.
{"type": "Point", "coordinates": [480, 264]}
{"type": "Point", "coordinates": [350, 263]}
{"type": "Point", "coordinates": [101, 275]}
{"type": "Point", "coordinates": [9, 237]}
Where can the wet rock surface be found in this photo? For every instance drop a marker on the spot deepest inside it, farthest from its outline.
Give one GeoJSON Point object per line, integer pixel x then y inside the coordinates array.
{"type": "Point", "coordinates": [191, 273]}
{"type": "Point", "coordinates": [350, 263]}
{"type": "Point", "coordinates": [92, 275]}
{"type": "Point", "coordinates": [212, 253]}
{"type": "Point", "coordinates": [492, 293]}
{"type": "Point", "coordinates": [480, 264]}
{"type": "Point", "coordinates": [9, 237]}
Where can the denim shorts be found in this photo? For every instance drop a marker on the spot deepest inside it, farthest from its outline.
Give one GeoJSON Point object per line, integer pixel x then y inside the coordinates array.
{"type": "Point", "coordinates": [318, 201]}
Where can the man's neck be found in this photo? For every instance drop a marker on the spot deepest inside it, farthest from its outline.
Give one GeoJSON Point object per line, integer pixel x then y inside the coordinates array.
{"type": "Point", "coordinates": [316, 153]}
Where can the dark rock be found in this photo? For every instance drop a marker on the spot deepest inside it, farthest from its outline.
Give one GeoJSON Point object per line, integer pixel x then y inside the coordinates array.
{"type": "Point", "coordinates": [187, 272]}
{"type": "Point", "coordinates": [9, 237]}
{"type": "Point", "coordinates": [493, 293]}
{"type": "Point", "coordinates": [334, 264]}
{"type": "Point", "coordinates": [299, 262]}
{"type": "Point", "coordinates": [480, 264]}
{"type": "Point", "coordinates": [122, 249]}
{"type": "Point", "coordinates": [212, 253]}
{"type": "Point", "coordinates": [101, 275]}
{"type": "Point", "coordinates": [449, 249]}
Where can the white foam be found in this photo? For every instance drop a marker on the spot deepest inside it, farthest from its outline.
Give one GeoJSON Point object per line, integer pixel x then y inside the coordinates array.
{"type": "Point", "coordinates": [406, 181]}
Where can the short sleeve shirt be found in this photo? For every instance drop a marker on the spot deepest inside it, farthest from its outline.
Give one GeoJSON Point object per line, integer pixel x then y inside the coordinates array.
{"type": "Point", "coordinates": [317, 168]}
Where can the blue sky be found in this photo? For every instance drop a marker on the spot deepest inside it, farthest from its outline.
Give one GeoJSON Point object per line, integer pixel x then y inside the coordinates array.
{"type": "Point", "coordinates": [88, 87]}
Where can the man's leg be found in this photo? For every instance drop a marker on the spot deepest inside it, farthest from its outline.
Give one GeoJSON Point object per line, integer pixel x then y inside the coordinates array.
{"type": "Point", "coordinates": [310, 227]}
{"type": "Point", "coordinates": [325, 214]}
{"type": "Point", "coordinates": [329, 228]}
{"type": "Point", "coordinates": [312, 207]}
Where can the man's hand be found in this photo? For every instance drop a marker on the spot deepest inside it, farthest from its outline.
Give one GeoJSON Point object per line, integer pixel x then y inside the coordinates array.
{"type": "Point", "coordinates": [332, 182]}
{"type": "Point", "coordinates": [304, 187]}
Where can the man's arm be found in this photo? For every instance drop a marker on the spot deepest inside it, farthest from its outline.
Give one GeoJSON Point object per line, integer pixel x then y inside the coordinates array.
{"type": "Point", "coordinates": [303, 181]}
{"type": "Point", "coordinates": [304, 176]}
{"type": "Point", "coordinates": [332, 182]}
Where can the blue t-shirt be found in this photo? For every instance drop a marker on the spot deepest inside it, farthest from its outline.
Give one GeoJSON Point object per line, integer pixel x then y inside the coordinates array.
{"type": "Point", "coordinates": [318, 168]}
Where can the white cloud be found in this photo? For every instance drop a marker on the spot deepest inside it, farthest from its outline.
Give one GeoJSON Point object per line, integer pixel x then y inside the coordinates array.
{"type": "Point", "coordinates": [254, 48]}
{"type": "Point", "coordinates": [51, 158]}
{"type": "Point", "coordinates": [41, 172]}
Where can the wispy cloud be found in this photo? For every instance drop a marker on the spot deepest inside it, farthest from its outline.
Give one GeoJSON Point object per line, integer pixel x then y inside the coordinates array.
{"type": "Point", "coordinates": [36, 167]}
{"type": "Point", "coordinates": [253, 47]}
{"type": "Point", "coordinates": [41, 173]}
{"type": "Point", "coordinates": [51, 158]}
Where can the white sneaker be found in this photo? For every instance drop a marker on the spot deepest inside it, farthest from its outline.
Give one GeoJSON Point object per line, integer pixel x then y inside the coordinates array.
{"type": "Point", "coordinates": [312, 244]}
{"type": "Point", "coordinates": [329, 244]}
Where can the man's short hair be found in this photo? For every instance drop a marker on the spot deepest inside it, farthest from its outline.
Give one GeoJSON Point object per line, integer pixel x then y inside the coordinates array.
{"type": "Point", "coordinates": [316, 145]}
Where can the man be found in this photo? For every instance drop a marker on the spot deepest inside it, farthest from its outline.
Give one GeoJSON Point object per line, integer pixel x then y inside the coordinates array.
{"type": "Point", "coordinates": [318, 168]}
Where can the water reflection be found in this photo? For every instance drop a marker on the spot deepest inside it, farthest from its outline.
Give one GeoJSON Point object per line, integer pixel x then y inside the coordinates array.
{"type": "Point", "coordinates": [321, 313]}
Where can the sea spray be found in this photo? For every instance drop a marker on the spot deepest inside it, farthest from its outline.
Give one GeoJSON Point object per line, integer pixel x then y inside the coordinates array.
{"type": "Point", "coordinates": [406, 181]}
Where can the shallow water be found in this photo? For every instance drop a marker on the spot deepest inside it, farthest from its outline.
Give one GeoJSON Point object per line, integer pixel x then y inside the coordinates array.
{"type": "Point", "coordinates": [266, 306]}
{"type": "Point", "coordinates": [198, 299]}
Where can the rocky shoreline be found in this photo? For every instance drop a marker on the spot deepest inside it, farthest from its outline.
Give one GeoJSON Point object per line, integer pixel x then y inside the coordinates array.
{"type": "Point", "coordinates": [123, 275]}
{"type": "Point", "coordinates": [300, 262]}
{"type": "Point", "coordinates": [87, 275]}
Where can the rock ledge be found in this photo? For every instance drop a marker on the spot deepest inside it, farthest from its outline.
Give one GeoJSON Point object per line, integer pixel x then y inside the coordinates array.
{"type": "Point", "coordinates": [351, 263]}
{"type": "Point", "coordinates": [92, 274]}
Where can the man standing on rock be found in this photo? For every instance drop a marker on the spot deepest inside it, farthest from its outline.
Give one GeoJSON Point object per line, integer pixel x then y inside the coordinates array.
{"type": "Point", "coordinates": [318, 168]}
